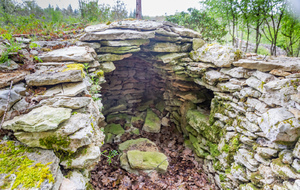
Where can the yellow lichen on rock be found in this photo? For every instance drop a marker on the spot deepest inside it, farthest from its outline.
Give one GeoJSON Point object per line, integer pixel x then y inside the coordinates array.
{"type": "Point", "coordinates": [75, 66]}
{"type": "Point", "coordinates": [13, 160]}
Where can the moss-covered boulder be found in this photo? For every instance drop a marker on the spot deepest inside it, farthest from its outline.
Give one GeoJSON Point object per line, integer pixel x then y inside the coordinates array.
{"type": "Point", "coordinates": [142, 154]}
{"type": "Point", "coordinates": [152, 122]}
{"type": "Point", "coordinates": [138, 144]}
{"type": "Point", "coordinates": [147, 160]}
{"type": "Point", "coordinates": [115, 129]}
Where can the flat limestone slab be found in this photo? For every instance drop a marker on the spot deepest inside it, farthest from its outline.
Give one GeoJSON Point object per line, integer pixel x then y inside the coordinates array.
{"type": "Point", "coordinates": [15, 76]}
{"type": "Point", "coordinates": [73, 53]}
{"type": "Point", "coordinates": [284, 64]}
{"type": "Point", "coordinates": [126, 43]}
{"type": "Point", "coordinates": [116, 34]}
{"type": "Point", "coordinates": [44, 118]}
{"type": "Point", "coordinates": [52, 78]}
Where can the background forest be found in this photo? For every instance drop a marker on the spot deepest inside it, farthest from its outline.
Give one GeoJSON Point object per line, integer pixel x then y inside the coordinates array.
{"type": "Point", "coordinates": [245, 24]}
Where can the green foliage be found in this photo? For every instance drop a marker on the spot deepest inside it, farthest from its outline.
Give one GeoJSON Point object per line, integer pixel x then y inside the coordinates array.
{"type": "Point", "coordinates": [92, 11]}
{"type": "Point", "coordinates": [263, 51]}
{"type": "Point", "coordinates": [111, 154]}
{"type": "Point", "coordinates": [200, 21]}
{"type": "Point", "coordinates": [271, 21]}
{"type": "Point", "coordinates": [289, 36]}
{"type": "Point", "coordinates": [11, 47]}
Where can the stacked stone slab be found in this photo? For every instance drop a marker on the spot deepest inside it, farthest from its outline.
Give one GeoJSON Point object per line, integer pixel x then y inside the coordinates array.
{"type": "Point", "coordinates": [64, 115]}
{"type": "Point", "coordinates": [134, 81]}
{"type": "Point", "coordinates": [246, 137]}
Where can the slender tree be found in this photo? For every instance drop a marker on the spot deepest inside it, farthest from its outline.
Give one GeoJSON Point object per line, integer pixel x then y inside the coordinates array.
{"type": "Point", "coordinates": [138, 14]}
{"type": "Point", "coordinates": [275, 11]}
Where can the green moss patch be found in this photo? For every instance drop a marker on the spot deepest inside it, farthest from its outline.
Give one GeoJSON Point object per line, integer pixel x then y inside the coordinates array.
{"type": "Point", "coordinates": [152, 122]}
{"type": "Point", "coordinates": [55, 142]}
{"type": "Point", "coordinates": [115, 129]}
{"type": "Point", "coordinates": [13, 160]}
{"type": "Point", "coordinates": [202, 124]}
{"type": "Point", "coordinates": [147, 160]}
{"type": "Point", "coordinates": [127, 144]}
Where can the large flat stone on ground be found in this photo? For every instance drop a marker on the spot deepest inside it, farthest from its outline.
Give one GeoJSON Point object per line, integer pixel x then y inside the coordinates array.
{"type": "Point", "coordinates": [73, 53]}
{"type": "Point", "coordinates": [147, 160]}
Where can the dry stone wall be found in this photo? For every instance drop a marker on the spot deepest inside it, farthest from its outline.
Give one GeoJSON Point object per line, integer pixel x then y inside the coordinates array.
{"type": "Point", "coordinates": [54, 108]}
{"type": "Point", "coordinates": [239, 113]}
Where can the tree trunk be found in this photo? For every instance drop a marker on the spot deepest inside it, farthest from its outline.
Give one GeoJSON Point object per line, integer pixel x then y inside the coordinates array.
{"type": "Point", "coordinates": [257, 39]}
{"type": "Point", "coordinates": [241, 41]}
{"type": "Point", "coordinates": [138, 9]}
{"type": "Point", "coordinates": [248, 35]}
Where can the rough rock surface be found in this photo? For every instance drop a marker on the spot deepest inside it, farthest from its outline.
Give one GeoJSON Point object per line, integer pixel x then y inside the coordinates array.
{"type": "Point", "coordinates": [142, 154]}
{"type": "Point", "coordinates": [40, 166]}
{"type": "Point", "coordinates": [74, 53]}
{"type": "Point", "coordinates": [152, 123]}
{"type": "Point", "coordinates": [52, 78]}
{"type": "Point", "coordinates": [41, 119]}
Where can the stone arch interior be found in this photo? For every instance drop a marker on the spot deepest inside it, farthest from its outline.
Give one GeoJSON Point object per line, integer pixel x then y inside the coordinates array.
{"type": "Point", "coordinates": [141, 82]}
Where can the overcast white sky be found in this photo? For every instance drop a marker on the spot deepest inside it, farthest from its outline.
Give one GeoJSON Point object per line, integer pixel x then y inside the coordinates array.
{"type": "Point", "coordinates": [149, 7]}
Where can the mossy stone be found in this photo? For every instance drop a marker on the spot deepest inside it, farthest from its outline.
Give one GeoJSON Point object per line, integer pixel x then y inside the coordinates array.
{"type": "Point", "coordinates": [160, 106]}
{"type": "Point", "coordinates": [135, 131]}
{"type": "Point", "coordinates": [109, 138]}
{"type": "Point", "coordinates": [147, 160]}
{"type": "Point", "coordinates": [152, 122]}
{"type": "Point", "coordinates": [116, 117]}
{"type": "Point", "coordinates": [14, 159]}
{"type": "Point", "coordinates": [138, 118]}
{"type": "Point", "coordinates": [115, 129]}
{"type": "Point", "coordinates": [197, 148]}
{"type": "Point", "coordinates": [145, 105]}
{"type": "Point", "coordinates": [127, 144]}
{"type": "Point", "coordinates": [197, 120]}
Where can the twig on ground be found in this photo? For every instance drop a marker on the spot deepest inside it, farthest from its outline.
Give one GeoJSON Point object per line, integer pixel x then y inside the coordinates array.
{"type": "Point", "coordinates": [8, 99]}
